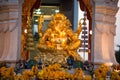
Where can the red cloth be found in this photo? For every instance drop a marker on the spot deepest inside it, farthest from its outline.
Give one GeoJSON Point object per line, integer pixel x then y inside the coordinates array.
{"type": "Point", "coordinates": [83, 7]}
{"type": "Point", "coordinates": [35, 6]}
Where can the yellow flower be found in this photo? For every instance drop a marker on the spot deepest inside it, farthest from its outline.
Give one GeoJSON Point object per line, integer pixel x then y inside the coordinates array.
{"type": "Point", "coordinates": [101, 72]}
{"type": "Point", "coordinates": [87, 77]}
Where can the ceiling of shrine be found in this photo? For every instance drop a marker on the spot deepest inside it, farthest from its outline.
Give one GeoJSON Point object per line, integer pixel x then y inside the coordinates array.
{"type": "Point", "coordinates": [50, 2]}
{"type": "Point", "coordinates": [57, 2]}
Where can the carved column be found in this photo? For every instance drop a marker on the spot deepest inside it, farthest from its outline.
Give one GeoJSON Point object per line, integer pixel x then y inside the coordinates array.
{"type": "Point", "coordinates": [10, 29]}
{"type": "Point", "coordinates": [105, 11]}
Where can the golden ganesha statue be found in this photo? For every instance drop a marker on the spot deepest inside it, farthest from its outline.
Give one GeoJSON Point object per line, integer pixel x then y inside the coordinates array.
{"type": "Point", "coordinates": [59, 42]}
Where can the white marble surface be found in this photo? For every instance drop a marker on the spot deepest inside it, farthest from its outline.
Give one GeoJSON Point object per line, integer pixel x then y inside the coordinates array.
{"type": "Point", "coordinates": [104, 31]}
{"type": "Point", "coordinates": [10, 30]}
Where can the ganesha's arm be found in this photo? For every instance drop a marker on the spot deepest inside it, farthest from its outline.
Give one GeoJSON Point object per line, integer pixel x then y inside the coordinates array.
{"type": "Point", "coordinates": [79, 29]}
{"type": "Point", "coordinates": [75, 45]}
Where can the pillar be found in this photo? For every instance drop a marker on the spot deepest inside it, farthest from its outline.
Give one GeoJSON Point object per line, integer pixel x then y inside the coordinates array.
{"type": "Point", "coordinates": [10, 29]}
{"type": "Point", "coordinates": [105, 11]}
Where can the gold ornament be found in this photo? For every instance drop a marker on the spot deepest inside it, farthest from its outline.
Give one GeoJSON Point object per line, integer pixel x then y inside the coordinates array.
{"type": "Point", "coordinates": [59, 42]}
